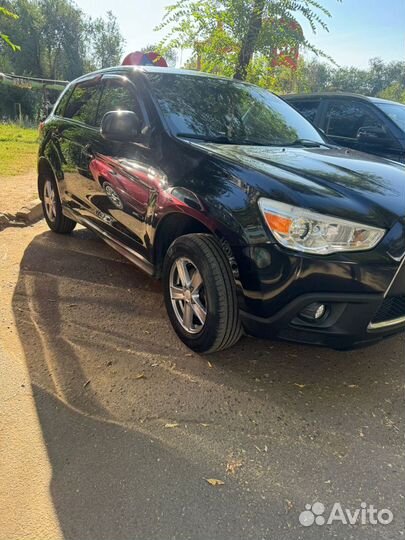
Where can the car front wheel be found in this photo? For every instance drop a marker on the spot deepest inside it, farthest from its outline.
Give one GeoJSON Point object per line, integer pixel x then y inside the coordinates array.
{"type": "Point", "coordinates": [200, 294]}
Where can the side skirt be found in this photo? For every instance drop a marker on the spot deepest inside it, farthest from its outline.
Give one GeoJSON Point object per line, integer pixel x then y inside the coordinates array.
{"type": "Point", "coordinates": [130, 254]}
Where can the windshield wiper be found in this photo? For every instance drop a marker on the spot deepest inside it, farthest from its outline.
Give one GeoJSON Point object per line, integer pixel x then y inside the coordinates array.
{"type": "Point", "coordinates": [205, 138]}
{"type": "Point", "coordinates": [221, 139]}
{"type": "Point", "coordinates": [307, 143]}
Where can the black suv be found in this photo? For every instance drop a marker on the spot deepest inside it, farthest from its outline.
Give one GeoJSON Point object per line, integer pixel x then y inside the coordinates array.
{"type": "Point", "coordinates": [366, 124]}
{"type": "Point", "coordinates": [252, 220]}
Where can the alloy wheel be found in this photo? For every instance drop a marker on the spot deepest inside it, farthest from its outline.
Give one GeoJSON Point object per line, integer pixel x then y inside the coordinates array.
{"type": "Point", "coordinates": [50, 200]}
{"type": "Point", "coordinates": [187, 295]}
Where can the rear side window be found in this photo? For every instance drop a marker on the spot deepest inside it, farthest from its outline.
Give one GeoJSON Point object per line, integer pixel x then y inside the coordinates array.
{"type": "Point", "coordinates": [117, 95]}
{"type": "Point", "coordinates": [63, 102]}
{"type": "Point", "coordinates": [307, 108]}
{"type": "Point", "coordinates": [344, 119]}
{"type": "Point", "coordinates": [83, 103]}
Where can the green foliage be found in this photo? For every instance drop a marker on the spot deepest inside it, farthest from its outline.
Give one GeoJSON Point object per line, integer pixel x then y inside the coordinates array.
{"type": "Point", "coordinates": [61, 32]}
{"type": "Point", "coordinates": [4, 12]}
{"type": "Point", "coordinates": [107, 41]}
{"type": "Point", "coordinates": [50, 35]}
{"type": "Point", "coordinates": [18, 149]}
{"type": "Point", "coordinates": [227, 36]}
{"type": "Point", "coordinates": [381, 79]}
{"type": "Point", "coordinates": [27, 34]}
{"type": "Point", "coordinates": [57, 41]}
{"type": "Point", "coordinates": [394, 92]}
{"type": "Point", "coordinates": [9, 97]}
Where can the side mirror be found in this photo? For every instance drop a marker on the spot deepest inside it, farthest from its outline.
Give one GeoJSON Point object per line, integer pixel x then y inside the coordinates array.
{"type": "Point", "coordinates": [372, 134]}
{"type": "Point", "coordinates": [123, 126]}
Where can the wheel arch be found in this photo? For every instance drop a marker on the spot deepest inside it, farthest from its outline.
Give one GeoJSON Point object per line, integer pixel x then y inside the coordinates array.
{"type": "Point", "coordinates": [176, 224]}
{"type": "Point", "coordinates": [45, 169]}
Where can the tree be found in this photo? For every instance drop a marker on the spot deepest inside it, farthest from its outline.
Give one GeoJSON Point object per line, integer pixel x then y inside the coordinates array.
{"type": "Point", "coordinates": [61, 39]}
{"type": "Point", "coordinates": [50, 33]}
{"type": "Point", "coordinates": [228, 36]}
{"type": "Point", "coordinates": [107, 41]}
{"type": "Point", "coordinates": [4, 12]}
{"type": "Point", "coordinates": [56, 43]}
{"type": "Point", "coordinates": [394, 92]}
{"type": "Point", "coordinates": [381, 79]}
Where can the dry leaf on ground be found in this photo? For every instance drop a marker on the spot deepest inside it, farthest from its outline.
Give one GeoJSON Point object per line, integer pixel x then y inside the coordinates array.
{"type": "Point", "coordinates": [214, 482]}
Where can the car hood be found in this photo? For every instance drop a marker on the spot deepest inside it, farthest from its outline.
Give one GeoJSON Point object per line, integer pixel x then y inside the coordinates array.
{"type": "Point", "coordinates": [336, 181]}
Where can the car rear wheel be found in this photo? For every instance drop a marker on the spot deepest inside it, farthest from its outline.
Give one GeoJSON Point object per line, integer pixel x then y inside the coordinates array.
{"type": "Point", "coordinates": [52, 208]}
{"type": "Point", "coordinates": [200, 294]}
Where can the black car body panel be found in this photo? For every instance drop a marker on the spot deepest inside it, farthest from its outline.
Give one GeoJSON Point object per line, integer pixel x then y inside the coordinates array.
{"type": "Point", "coordinates": [135, 194]}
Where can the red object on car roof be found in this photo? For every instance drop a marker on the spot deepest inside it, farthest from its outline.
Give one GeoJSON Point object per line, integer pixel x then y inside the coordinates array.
{"type": "Point", "coordinates": [138, 58]}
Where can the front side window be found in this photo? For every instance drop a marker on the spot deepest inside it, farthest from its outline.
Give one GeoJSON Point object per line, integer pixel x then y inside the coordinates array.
{"type": "Point", "coordinates": [344, 119]}
{"type": "Point", "coordinates": [83, 103]}
{"type": "Point", "coordinates": [395, 112]}
{"type": "Point", "coordinates": [221, 110]}
{"type": "Point", "coordinates": [117, 96]}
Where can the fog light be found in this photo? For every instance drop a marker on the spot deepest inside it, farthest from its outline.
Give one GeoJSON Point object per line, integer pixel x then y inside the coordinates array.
{"type": "Point", "coordinates": [313, 312]}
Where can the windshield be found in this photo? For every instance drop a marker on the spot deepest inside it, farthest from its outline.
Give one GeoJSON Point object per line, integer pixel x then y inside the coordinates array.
{"type": "Point", "coordinates": [227, 111]}
{"type": "Point", "coordinates": [395, 112]}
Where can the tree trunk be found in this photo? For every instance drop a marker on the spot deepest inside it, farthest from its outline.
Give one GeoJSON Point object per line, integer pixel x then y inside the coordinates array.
{"type": "Point", "coordinates": [250, 40]}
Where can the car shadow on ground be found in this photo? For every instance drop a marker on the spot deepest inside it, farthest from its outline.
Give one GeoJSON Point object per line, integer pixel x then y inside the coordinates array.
{"type": "Point", "coordinates": [110, 379]}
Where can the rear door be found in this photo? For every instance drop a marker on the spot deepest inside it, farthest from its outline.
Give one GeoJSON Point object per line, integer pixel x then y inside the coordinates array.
{"type": "Point", "coordinates": [346, 119]}
{"type": "Point", "coordinates": [75, 133]}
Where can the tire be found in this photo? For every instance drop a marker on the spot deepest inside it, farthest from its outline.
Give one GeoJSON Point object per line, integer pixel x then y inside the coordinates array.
{"type": "Point", "coordinates": [199, 261]}
{"type": "Point", "coordinates": [52, 207]}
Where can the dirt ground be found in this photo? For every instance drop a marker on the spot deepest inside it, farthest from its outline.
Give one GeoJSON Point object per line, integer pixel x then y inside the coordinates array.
{"type": "Point", "coordinates": [111, 427]}
{"type": "Point", "coordinates": [17, 191]}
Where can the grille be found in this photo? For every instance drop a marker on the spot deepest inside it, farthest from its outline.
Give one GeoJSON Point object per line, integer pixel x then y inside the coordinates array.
{"type": "Point", "coordinates": [392, 308]}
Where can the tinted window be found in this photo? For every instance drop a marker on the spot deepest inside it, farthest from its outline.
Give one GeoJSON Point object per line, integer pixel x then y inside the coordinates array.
{"type": "Point", "coordinates": [395, 112]}
{"type": "Point", "coordinates": [227, 110]}
{"type": "Point", "coordinates": [344, 119]}
{"type": "Point", "coordinates": [117, 96]}
{"type": "Point", "coordinates": [63, 102]}
{"type": "Point", "coordinates": [83, 103]}
{"type": "Point", "coordinates": [307, 108]}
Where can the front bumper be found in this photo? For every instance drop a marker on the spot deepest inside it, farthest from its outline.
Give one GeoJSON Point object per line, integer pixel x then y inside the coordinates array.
{"type": "Point", "coordinates": [364, 293]}
{"type": "Point", "coordinates": [347, 324]}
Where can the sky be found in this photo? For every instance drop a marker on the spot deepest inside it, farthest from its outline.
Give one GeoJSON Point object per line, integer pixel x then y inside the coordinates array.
{"type": "Point", "coordinates": [358, 29]}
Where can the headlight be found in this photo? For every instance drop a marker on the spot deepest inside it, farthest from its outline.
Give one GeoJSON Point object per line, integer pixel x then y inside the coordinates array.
{"type": "Point", "coordinates": [310, 232]}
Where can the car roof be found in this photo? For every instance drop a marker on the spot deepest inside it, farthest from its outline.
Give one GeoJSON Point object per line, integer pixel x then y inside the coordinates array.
{"type": "Point", "coordinates": [350, 95]}
{"type": "Point", "coordinates": [155, 69]}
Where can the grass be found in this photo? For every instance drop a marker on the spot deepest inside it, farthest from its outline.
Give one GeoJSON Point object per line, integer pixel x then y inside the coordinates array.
{"type": "Point", "coordinates": [18, 150]}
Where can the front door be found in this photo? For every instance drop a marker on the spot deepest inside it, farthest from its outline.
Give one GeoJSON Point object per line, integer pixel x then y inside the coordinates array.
{"type": "Point", "coordinates": [123, 172]}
